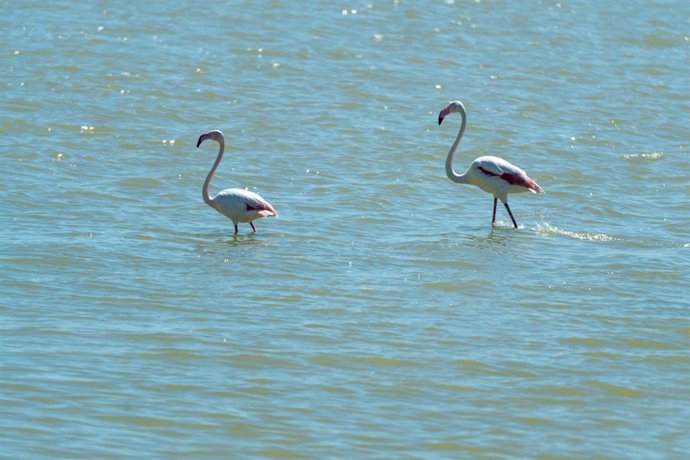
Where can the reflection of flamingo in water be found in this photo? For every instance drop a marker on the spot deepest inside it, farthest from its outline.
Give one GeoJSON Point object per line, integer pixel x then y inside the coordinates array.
{"type": "Point", "coordinates": [237, 204]}
{"type": "Point", "coordinates": [491, 174]}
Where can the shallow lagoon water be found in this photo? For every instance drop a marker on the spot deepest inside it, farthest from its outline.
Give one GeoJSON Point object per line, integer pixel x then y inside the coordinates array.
{"type": "Point", "coordinates": [379, 315]}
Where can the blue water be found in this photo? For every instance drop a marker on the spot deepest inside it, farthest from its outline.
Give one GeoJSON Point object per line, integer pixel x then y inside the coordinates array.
{"type": "Point", "coordinates": [380, 315]}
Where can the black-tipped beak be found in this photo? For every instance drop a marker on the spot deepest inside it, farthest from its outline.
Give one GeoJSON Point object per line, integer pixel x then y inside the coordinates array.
{"type": "Point", "coordinates": [198, 143]}
{"type": "Point", "coordinates": [442, 114]}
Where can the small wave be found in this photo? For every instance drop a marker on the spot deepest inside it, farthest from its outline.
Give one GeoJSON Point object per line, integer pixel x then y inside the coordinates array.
{"type": "Point", "coordinates": [548, 229]}
{"type": "Point", "coordinates": [644, 156]}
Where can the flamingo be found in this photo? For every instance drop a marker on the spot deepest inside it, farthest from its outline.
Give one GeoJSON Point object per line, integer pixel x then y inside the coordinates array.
{"type": "Point", "coordinates": [236, 204]}
{"type": "Point", "coordinates": [492, 174]}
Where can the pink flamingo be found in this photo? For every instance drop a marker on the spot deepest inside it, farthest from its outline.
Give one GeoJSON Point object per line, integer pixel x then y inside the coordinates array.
{"type": "Point", "coordinates": [237, 204]}
{"type": "Point", "coordinates": [491, 174]}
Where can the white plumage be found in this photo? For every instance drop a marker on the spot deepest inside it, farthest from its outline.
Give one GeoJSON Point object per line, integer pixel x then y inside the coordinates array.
{"type": "Point", "coordinates": [492, 174]}
{"type": "Point", "coordinates": [236, 204]}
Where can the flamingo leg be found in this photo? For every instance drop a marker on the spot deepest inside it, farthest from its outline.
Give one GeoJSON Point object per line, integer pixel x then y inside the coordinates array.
{"type": "Point", "coordinates": [236, 230]}
{"type": "Point", "coordinates": [511, 214]}
{"type": "Point", "coordinates": [493, 219]}
{"type": "Point", "coordinates": [253, 228]}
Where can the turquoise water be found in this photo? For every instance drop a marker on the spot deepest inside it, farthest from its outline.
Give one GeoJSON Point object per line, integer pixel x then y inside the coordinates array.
{"type": "Point", "coordinates": [380, 315]}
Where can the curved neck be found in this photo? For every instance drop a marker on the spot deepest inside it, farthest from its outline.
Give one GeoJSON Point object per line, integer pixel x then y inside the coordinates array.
{"type": "Point", "coordinates": [450, 172]}
{"type": "Point", "coordinates": [207, 182]}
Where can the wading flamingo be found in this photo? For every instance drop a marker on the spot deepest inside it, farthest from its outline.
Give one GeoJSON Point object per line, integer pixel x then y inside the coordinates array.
{"type": "Point", "coordinates": [236, 204]}
{"type": "Point", "coordinates": [491, 174]}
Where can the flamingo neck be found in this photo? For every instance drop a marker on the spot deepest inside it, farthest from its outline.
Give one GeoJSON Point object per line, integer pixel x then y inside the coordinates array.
{"type": "Point", "coordinates": [450, 172]}
{"type": "Point", "coordinates": [207, 183]}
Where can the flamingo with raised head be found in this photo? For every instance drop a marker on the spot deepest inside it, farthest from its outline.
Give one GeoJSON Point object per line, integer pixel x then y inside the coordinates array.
{"type": "Point", "coordinates": [236, 204]}
{"type": "Point", "coordinates": [491, 174]}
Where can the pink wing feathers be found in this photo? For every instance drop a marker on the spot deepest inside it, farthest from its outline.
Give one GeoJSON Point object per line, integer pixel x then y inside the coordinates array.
{"type": "Point", "coordinates": [254, 202]}
{"type": "Point", "coordinates": [511, 174]}
{"type": "Point", "coordinates": [264, 209]}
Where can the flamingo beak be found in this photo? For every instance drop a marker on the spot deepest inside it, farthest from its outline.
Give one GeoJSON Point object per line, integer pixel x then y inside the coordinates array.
{"type": "Point", "coordinates": [201, 139]}
{"type": "Point", "coordinates": [442, 114]}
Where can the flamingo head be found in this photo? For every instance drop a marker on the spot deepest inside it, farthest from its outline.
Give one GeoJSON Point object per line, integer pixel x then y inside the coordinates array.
{"type": "Point", "coordinates": [452, 107]}
{"type": "Point", "coordinates": [215, 135]}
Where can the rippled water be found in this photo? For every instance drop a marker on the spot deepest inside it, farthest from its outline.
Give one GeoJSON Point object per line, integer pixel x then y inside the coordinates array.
{"type": "Point", "coordinates": [380, 316]}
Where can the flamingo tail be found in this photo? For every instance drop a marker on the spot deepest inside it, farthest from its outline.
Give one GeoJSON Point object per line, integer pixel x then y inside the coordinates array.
{"type": "Point", "coordinates": [533, 187]}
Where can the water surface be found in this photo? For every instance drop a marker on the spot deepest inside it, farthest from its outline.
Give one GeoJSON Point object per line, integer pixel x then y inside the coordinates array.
{"type": "Point", "coordinates": [380, 315]}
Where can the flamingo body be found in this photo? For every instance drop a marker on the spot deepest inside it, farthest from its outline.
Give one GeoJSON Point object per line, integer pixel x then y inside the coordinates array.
{"type": "Point", "coordinates": [492, 174]}
{"type": "Point", "coordinates": [236, 204]}
{"type": "Point", "coordinates": [499, 177]}
{"type": "Point", "coordinates": [242, 205]}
